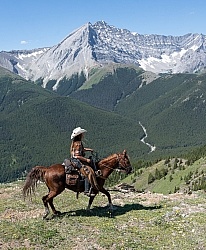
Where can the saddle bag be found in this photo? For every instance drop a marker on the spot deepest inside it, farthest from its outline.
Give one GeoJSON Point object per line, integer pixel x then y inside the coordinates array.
{"type": "Point", "coordinates": [72, 179]}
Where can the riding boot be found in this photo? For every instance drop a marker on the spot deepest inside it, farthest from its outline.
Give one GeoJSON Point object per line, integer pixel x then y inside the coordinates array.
{"type": "Point", "coordinates": [92, 164]}
{"type": "Point", "coordinates": [94, 167]}
{"type": "Point", "coordinates": [88, 188]}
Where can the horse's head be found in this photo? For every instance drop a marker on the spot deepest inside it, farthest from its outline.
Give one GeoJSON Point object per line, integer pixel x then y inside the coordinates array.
{"type": "Point", "coordinates": [124, 162]}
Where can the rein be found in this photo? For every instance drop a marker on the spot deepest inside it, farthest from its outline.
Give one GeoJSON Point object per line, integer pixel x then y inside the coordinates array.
{"type": "Point", "coordinates": [113, 168]}
{"type": "Point", "coordinates": [120, 164]}
{"type": "Point", "coordinates": [105, 165]}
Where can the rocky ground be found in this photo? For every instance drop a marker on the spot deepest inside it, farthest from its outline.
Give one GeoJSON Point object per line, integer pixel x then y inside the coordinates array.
{"type": "Point", "coordinates": [140, 221]}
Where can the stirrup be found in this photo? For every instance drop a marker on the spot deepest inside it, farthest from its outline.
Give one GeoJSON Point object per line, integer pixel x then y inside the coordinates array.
{"type": "Point", "coordinates": [89, 194]}
{"type": "Point", "coordinates": [98, 172]}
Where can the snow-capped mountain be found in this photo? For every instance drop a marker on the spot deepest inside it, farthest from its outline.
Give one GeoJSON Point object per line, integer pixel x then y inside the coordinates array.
{"type": "Point", "coordinates": [18, 61]}
{"type": "Point", "coordinates": [94, 45]}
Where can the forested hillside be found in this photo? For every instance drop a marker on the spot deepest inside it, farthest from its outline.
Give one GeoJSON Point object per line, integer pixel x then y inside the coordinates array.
{"type": "Point", "coordinates": [104, 89]}
{"type": "Point", "coordinates": [172, 108]}
{"type": "Point", "coordinates": [36, 125]}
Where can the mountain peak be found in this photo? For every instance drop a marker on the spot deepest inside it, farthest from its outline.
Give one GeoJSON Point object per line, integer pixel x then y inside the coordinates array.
{"type": "Point", "coordinates": [94, 45]}
{"type": "Point", "coordinates": [100, 23]}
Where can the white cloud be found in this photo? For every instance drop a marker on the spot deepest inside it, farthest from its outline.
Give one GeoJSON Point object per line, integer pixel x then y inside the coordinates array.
{"type": "Point", "coordinates": [23, 42]}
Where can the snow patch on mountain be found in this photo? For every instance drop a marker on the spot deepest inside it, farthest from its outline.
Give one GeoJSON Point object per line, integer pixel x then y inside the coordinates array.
{"type": "Point", "coordinates": [94, 45]}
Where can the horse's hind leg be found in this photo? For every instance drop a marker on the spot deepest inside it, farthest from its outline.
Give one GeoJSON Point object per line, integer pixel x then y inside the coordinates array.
{"type": "Point", "coordinates": [49, 199]}
{"type": "Point", "coordinates": [44, 199]}
{"type": "Point", "coordinates": [52, 206]}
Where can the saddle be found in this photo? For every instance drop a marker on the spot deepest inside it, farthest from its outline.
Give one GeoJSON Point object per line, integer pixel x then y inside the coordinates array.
{"type": "Point", "coordinates": [73, 176]}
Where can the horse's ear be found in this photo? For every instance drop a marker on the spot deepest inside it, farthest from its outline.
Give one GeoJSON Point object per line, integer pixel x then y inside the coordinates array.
{"type": "Point", "coordinates": [124, 152]}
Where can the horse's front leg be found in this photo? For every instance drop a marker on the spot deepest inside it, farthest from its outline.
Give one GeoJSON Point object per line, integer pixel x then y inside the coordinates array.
{"type": "Point", "coordinates": [111, 207]}
{"type": "Point", "coordinates": [90, 203]}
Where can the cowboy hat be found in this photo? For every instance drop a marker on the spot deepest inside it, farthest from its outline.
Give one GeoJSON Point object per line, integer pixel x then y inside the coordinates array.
{"type": "Point", "coordinates": [77, 131]}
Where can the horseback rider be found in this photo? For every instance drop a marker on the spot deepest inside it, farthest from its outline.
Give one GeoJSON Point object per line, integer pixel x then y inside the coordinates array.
{"type": "Point", "coordinates": [77, 151]}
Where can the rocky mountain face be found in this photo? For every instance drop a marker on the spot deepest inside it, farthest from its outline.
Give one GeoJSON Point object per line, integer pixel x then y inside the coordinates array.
{"type": "Point", "coordinates": [94, 45]}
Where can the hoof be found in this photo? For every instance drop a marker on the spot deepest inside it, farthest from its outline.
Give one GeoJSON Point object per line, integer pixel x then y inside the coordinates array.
{"type": "Point", "coordinates": [89, 211]}
{"type": "Point", "coordinates": [114, 208]}
{"type": "Point", "coordinates": [111, 215]}
{"type": "Point", "coordinates": [57, 213]}
{"type": "Point", "coordinates": [45, 216]}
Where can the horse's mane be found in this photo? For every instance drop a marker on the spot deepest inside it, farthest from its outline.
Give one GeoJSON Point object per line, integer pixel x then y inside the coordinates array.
{"type": "Point", "coordinates": [107, 158]}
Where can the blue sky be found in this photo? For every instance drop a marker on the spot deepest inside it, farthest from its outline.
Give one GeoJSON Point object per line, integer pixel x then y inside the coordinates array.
{"type": "Point", "coordinates": [28, 24]}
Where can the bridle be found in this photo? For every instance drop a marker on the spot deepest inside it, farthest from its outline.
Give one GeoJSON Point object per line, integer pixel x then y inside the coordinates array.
{"type": "Point", "coordinates": [120, 165]}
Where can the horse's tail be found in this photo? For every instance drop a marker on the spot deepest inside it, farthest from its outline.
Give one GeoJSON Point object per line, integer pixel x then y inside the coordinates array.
{"type": "Point", "coordinates": [36, 174]}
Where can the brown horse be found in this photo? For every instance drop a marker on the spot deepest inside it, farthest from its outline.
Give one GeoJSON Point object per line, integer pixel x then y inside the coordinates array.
{"type": "Point", "coordinates": [55, 179]}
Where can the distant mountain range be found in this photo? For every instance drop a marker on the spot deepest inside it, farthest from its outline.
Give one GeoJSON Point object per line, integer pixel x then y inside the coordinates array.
{"type": "Point", "coordinates": [96, 45]}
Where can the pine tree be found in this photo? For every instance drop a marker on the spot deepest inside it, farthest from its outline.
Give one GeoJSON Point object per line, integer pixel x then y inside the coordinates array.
{"type": "Point", "coordinates": [151, 178]}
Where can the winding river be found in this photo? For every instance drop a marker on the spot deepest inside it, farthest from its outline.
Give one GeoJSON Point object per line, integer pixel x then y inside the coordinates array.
{"type": "Point", "coordinates": [152, 148]}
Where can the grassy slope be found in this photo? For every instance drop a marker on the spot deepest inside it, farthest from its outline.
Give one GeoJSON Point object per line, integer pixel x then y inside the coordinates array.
{"type": "Point", "coordinates": [97, 74]}
{"type": "Point", "coordinates": [141, 221]}
{"type": "Point", "coordinates": [166, 185]}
